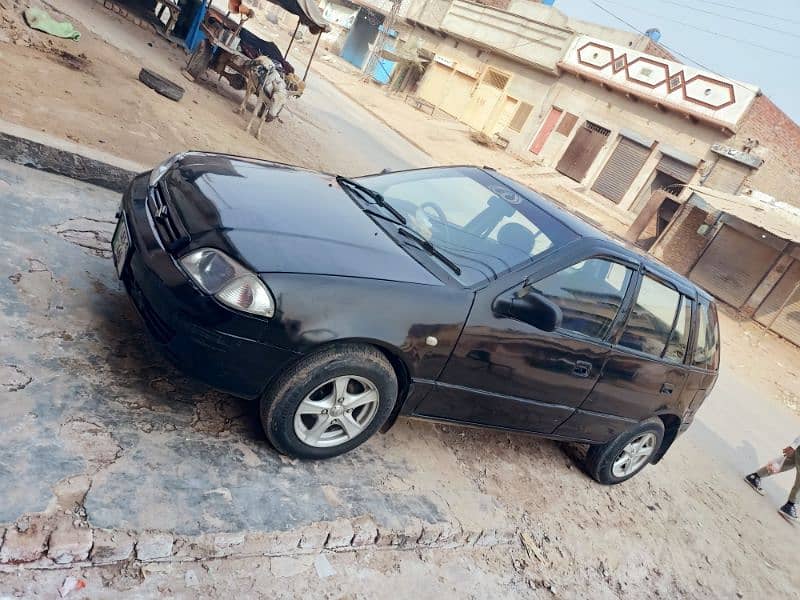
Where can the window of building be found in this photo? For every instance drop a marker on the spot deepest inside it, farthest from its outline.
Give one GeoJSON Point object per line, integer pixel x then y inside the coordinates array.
{"type": "Point", "coordinates": [521, 116]}
{"type": "Point", "coordinates": [495, 79]}
{"type": "Point", "coordinates": [650, 324]}
{"type": "Point", "coordinates": [567, 123]}
{"type": "Point", "coordinates": [589, 294]}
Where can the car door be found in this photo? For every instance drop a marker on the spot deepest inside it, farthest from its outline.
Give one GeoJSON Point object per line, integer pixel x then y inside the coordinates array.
{"type": "Point", "coordinates": [507, 373]}
{"type": "Point", "coordinates": [644, 372]}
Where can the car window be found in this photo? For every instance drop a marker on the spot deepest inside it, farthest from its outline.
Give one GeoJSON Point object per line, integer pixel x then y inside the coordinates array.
{"type": "Point", "coordinates": [650, 322]}
{"type": "Point", "coordinates": [589, 294]}
{"type": "Point", "coordinates": [706, 352]}
{"type": "Point", "coordinates": [679, 339]}
{"type": "Point", "coordinates": [480, 223]}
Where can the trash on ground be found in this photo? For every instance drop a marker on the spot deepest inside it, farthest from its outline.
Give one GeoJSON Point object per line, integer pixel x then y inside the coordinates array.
{"type": "Point", "coordinates": [36, 18]}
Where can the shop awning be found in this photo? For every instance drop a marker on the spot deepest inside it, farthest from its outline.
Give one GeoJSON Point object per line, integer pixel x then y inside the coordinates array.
{"type": "Point", "coordinates": [308, 11]}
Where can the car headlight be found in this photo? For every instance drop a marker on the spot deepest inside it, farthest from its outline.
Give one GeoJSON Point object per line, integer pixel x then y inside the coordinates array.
{"type": "Point", "coordinates": [160, 170]}
{"type": "Point", "coordinates": [229, 282]}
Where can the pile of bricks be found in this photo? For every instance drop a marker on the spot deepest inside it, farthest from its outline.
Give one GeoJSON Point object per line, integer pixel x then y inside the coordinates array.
{"type": "Point", "coordinates": [36, 542]}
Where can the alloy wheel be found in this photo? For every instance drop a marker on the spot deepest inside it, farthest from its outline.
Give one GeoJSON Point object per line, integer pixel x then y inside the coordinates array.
{"type": "Point", "coordinates": [634, 455]}
{"type": "Point", "coordinates": [336, 411]}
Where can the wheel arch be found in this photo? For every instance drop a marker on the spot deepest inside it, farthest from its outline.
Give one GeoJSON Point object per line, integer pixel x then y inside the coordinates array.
{"type": "Point", "coordinates": [672, 425]}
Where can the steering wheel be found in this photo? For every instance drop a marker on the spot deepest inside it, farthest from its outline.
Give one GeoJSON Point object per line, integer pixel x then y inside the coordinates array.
{"type": "Point", "coordinates": [440, 214]}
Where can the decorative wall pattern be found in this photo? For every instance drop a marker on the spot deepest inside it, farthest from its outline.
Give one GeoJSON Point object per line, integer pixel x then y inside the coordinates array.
{"type": "Point", "coordinates": [699, 93]}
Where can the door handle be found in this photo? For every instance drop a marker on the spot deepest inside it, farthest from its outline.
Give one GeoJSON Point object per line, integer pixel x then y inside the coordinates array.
{"type": "Point", "coordinates": [582, 368]}
{"type": "Point", "coordinates": [667, 389]}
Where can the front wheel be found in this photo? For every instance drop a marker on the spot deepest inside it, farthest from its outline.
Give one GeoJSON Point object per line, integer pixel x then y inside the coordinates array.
{"type": "Point", "coordinates": [627, 454]}
{"type": "Point", "coordinates": [330, 402]}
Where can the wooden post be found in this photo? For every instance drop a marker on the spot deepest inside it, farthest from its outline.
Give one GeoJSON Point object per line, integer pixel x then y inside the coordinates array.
{"type": "Point", "coordinates": [310, 58]}
{"type": "Point", "coordinates": [291, 41]}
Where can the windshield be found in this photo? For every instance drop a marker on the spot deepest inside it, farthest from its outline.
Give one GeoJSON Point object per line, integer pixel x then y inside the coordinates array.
{"type": "Point", "coordinates": [483, 225]}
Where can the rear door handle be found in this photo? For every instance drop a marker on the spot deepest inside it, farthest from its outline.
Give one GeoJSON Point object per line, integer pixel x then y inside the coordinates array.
{"type": "Point", "coordinates": [667, 389]}
{"type": "Point", "coordinates": [582, 368]}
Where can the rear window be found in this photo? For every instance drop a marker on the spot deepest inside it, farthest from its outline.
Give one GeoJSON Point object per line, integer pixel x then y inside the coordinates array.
{"type": "Point", "coordinates": [706, 352]}
{"type": "Point", "coordinates": [651, 321]}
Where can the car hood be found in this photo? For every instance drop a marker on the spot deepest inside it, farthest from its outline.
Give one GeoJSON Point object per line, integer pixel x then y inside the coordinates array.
{"type": "Point", "coordinates": [278, 218]}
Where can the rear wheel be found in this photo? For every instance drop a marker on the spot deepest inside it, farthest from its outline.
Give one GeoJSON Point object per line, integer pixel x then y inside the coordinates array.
{"type": "Point", "coordinates": [627, 454]}
{"type": "Point", "coordinates": [330, 402]}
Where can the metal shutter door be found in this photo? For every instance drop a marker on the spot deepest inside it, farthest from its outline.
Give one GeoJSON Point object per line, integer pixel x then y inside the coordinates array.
{"type": "Point", "coordinates": [788, 323]}
{"type": "Point", "coordinates": [582, 151]}
{"type": "Point", "coordinates": [733, 265]}
{"type": "Point", "coordinates": [677, 169]}
{"type": "Point", "coordinates": [621, 169]}
{"type": "Point", "coordinates": [456, 98]}
{"type": "Point", "coordinates": [434, 83]}
{"type": "Point", "coordinates": [727, 176]}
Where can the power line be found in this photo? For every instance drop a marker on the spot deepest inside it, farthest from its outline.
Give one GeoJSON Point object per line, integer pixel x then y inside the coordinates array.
{"type": "Point", "coordinates": [621, 20]}
{"type": "Point", "coordinates": [729, 18]}
{"type": "Point", "coordinates": [753, 12]}
{"type": "Point", "coordinates": [709, 31]}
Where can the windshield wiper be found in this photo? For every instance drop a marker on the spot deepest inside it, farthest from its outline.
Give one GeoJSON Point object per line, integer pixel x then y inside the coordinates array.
{"type": "Point", "coordinates": [376, 196]}
{"type": "Point", "coordinates": [430, 248]}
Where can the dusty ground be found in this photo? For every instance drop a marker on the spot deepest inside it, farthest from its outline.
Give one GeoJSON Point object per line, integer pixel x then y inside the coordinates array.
{"type": "Point", "coordinates": [88, 92]}
{"type": "Point", "coordinates": [85, 394]}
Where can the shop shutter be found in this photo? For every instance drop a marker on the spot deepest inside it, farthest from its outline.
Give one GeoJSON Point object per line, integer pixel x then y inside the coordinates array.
{"type": "Point", "coordinates": [733, 265]}
{"type": "Point", "coordinates": [679, 170]}
{"type": "Point", "coordinates": [788, 322]}
{"type": "Point", "coordinates": [727, 176]}
{"type": "Point", "coordinates": [456, 97]}
{"type": "Point", "coordinates": [434, 83]}
{"type": "Point", "coordinates": [621, 169]}
{"type": "Point", "coordinates": [582, 151]}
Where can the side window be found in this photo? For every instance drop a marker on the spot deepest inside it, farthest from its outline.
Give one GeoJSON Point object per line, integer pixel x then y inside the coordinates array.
{"type": "Point", "coordinates": [589, 294]}
{"type": "Point", "coordinates": [679, 340]}
{"type": "Point", "coordinates": [650, 324]}
{"type": "Point", "coordinates": [706, 353]}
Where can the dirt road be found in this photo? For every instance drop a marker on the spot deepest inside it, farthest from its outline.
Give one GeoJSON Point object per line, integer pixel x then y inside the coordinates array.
{"type": "Point", "coordinates": [88, 92]}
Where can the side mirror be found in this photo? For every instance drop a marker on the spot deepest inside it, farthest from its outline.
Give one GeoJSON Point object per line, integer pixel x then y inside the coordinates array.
{"type": "Point", "coordinates": [529, 307]}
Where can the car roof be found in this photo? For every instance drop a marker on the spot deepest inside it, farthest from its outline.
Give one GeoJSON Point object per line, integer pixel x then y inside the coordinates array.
{"type": "Point", "coordinates": [585, 229]}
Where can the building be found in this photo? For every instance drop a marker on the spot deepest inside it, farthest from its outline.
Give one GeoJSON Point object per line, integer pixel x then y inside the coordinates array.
{"type": "Point", "coordinates": [355, 28]}
{"type": "Point", "coordinates": [745, 250]}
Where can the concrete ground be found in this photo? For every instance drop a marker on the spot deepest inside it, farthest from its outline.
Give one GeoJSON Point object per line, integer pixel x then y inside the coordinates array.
{"type": "Point", "coordinates": [85, 394]}
{"type": "Point", "coordinates": [84, 397]}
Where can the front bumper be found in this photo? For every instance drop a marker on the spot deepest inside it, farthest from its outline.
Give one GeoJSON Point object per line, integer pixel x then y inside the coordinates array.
{"type": "Point", "coordinates": [200, 336]}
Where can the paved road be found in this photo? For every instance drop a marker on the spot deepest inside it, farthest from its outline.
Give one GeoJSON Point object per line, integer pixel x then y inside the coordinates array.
{"type": "Point", "coordinates": [354, 130]}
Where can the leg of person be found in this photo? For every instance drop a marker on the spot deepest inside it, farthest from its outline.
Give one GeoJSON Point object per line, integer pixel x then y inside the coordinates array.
{"type": "Point", "coordinates": [789, 510]}
{"type": "Point", "coordinates": [754, 478]}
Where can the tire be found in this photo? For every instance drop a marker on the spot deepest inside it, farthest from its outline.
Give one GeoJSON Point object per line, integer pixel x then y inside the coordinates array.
{"type": "Point", "coordinates": [161, 85]}
{"type": "Point", "coordinates": [199, 60]}
{"type": "Point", "coordinates": [601, 459]}
{"type": "Point", "coordinates": [357, 370]}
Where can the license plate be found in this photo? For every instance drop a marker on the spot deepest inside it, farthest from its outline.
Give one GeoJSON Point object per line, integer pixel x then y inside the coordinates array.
{"type": "Point", "coordinates": [121, 245]}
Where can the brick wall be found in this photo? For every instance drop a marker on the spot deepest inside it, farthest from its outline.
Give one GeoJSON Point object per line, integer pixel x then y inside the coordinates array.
{"type": "Point", "coordinates": [778, 144]}
{"type": "Point", "coordinates": [680, 246]}
{"type": "Point", "coordinates": [656, 49]}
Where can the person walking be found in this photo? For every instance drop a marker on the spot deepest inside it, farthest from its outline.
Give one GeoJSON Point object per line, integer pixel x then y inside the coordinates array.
{"type": "Point", "coordinates": [790, 460]}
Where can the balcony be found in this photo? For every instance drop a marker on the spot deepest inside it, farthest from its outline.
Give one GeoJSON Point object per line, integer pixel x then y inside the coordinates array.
{"type": "Point", "coordinates": [519, 38]}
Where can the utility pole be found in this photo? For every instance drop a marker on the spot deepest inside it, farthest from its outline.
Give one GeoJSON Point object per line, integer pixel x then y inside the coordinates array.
{"type": "Point", "coordinates": [380, 40]}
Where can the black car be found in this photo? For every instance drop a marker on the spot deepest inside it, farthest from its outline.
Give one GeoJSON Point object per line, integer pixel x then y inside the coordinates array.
{"type": "Point", "coordinates": [453, 294]}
